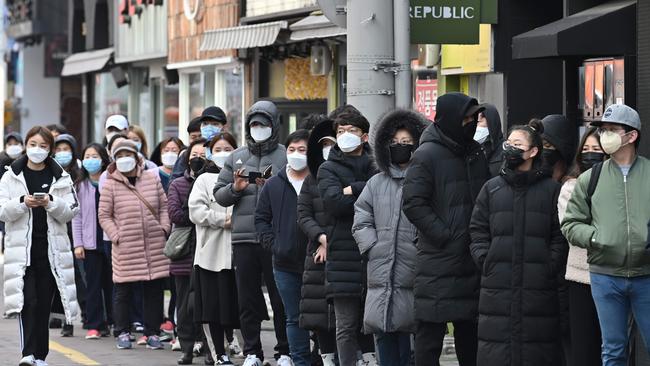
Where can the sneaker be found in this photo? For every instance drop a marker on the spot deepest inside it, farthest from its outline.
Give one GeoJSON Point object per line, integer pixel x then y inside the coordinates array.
{"type": "Point", "coordinates": [132, 337]}
{"type": "Point", "coordinates": [252, 360]}
{"type": "Point", "coordinates": [328, 359]}
{"type": "Point", "coordinates": [93, 334]}
{"type": "Point", "coordinates": [197, 349]}
{"type": "Point", "coordinates": [41, 363]}
{"type": "Point", "coordinates": [141, 341]}
{"type": "Point", "coordinates": [176, 345]}
{"type": "Point", "coordinates": [27, 361]}
{"type": "Point", "coordinates": [138, 327]}
{"type": "Point", "coordinates": [153, 342]}
{"type": "Point", "coordinates": [67, 331]}
{"type": "Point", "coordinates": [223, 360]}
{"type": "Point", "coordinates": [124, 341]}
{"type": "Point", "coordinates": [167, 327]}
{"type": "Point", "coordinates": [285, 360]}
{"type": "Point", "coordinates": [166, 337]}
{"type": "Point", "coordinates": [106, 332]}
{"type": "Point", "coordinates": [234, 349]}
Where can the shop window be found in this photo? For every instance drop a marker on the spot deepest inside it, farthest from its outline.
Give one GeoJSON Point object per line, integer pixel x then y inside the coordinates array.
{"type": "Point", "coordinates": [170, 115]}
{"type": "Point", "coordinates": [233, 102]}
{"type": "Point", "coordinates": [108, 100]}
{"type": "Point", "coordinates": [602, 83]}
{"type": "Point", "coordinates": [201, 92]}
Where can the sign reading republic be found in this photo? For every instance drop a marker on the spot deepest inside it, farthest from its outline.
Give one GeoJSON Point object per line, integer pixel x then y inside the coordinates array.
{"type": "Point", "coordinates": [445, 21]}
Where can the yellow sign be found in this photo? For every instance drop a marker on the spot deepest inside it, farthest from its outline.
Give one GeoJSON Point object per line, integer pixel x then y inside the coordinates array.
{"type": "Point", "coordinates": [469, 59]}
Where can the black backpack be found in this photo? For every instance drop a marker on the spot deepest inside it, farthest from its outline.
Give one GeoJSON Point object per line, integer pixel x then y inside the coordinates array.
{"type": "Point", "coordinates": [593, 182]}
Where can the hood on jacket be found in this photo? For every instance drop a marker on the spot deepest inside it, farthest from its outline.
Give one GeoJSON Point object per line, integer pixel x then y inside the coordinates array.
{"type": "Point", "coordinates": [57, 171]}
{"type": "Point", "coordinates": [562, 134]}
{"type": "Point", "coordinates": [494, 124]}
{"type": "Point", "coordinates": [314, 151]}
{"type": "Point", "coordinates": [524, 179]}
{"type": "Point", "coordinates": [68, 139]}
{"type": "Point", "coordinates": [269, 110]}
{"type": "Point", "coordinates": [388, 124]}
{"type": "Point", "coordinates": [451, 109]}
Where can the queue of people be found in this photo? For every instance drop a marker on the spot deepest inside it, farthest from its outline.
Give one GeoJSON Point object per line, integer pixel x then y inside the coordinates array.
{"type": "Point", "coordinates": [532, 245]}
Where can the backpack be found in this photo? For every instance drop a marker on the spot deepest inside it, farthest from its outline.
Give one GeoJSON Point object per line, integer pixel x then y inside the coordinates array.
{"type": "Point", "coordinates": [593, 182]}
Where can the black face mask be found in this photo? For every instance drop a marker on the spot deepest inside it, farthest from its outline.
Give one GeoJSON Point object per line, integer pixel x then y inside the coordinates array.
{"type": "Point", "coordinates": [590, 159]}
{"type": "Point", "coordinates": [197, 164]}
{"type": "Point", "coordinates": [513, 157]}
{"type": "Point", "coordinates": [469, 130]}
{"type": "Point", "coordinates": [401, 153]}
{"type": "Point", "coordinates": [550, 157]}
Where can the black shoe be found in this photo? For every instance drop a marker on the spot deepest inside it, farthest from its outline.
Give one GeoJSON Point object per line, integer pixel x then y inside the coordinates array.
{"type": "Point", "coordinates": [67, 331]}
{"type": "Point", "coordinates": [186, 359]}
{"type": "Point", "coordinates": [208, 359]}
{"type": "Point", "coordinates": [105, 332]}
{"type": "Point", "coordinates": [56, 323]}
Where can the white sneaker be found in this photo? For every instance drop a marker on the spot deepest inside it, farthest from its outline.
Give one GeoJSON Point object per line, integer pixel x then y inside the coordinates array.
{"type": "Point", "coordinates": [176, 345]}
{"type": "Point", "coordinates": [197, 349]}
{"type": "Point", "coordinates": [328, 359]}
{"type": "Point", "coordinates": [41, 363]}
{"type": "Point", "coordinates": [234, 349]}
{"type": "Point", "coordinates": [28, 361]}
{"type": "Point", "coordinates": [370, 359]}
{"type": "Point", "coordinates": [285, 361]}
{"type": "Point", "coordinates": [252, 360]}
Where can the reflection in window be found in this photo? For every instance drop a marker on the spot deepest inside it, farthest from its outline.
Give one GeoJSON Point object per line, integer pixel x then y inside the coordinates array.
{"type": "Point", "coordinates": [109, 99]}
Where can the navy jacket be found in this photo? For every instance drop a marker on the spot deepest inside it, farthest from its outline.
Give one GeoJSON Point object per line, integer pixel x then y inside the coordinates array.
{"type": "Point", "coordinates": [276, 222]}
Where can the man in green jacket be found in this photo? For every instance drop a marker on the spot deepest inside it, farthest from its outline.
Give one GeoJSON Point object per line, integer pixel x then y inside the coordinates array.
{"type": "Point", "coordinates": [614, 230]}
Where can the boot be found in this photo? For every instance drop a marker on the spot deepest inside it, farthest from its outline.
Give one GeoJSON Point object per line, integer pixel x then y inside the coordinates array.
{"type": "Point", "coordinates": [328, 359]}
{"type": "Point", "coordinates": [186, 358]}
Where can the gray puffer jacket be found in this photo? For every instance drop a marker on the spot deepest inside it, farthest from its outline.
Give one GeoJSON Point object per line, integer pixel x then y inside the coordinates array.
{"type": "Point", "coordinates": [385, 235]}
{"type": "Point", "coordinates": [254, 157]}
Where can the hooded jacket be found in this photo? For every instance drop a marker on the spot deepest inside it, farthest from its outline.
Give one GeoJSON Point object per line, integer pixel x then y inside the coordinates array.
{"type": "Point", "coordinates": [439, 192]}
{"type": "Point", "coordinates": [562, 134]}
{"type": "Point", "coordinates": [5, 160]}
{"type": "Point", "coordinates": [18, 235]}
{"type": "Point", "coordinates": [315, 312]}
{"type": "Point", "coordinates": [517, 244]}
{"type": "Point", "coordinates": [492, 147]}
{"type": "Point", "coordinates": [254, 157]}
{"type": "Point", "coordinates": [384, 234]}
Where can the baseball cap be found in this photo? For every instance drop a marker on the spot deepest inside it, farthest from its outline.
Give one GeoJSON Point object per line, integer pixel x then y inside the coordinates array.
{"type": "Point", "coordinates": [620, 114]}
{"type": "Point", "coordinates": [214, 113]}
{"type": "Point", "coordinates": [260, 118]}
{"type": "Point", "coordinates": [118, 121]}
{"type": "Point", "coordinates": [125, 145]}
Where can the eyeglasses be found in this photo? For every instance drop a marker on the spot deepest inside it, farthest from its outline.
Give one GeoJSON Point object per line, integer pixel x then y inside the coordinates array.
{"type": "Point", "coordinates": [518, 145]}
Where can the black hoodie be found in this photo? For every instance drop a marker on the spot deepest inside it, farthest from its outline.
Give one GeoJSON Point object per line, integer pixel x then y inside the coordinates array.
{"type": "Point", "coordinates": [492, 147]}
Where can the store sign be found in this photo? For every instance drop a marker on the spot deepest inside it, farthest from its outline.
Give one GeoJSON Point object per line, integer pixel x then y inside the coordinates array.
{"type": "Point", "coordinates": [469, 58]}
{"type": "Point", "coordinates": [445, 21]}
{"type": "Point", "coordinates": [426, 94]}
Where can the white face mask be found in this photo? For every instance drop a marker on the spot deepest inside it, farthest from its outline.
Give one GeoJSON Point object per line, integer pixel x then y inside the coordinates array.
{"type": "Point", "coordinates": [348, 142]}
{"type": "Point", "coordinates": [125, 164]}
{"type": "Point", "coordinates": [297, 161]}
{"type": "Point", "coordinates": [611, 142]}
{"type": "Point", "coordinates": [37, 155]}
{"type": "Point", "coordinates": [326, 151]}
{"type": "Point", "coordinates": [261, 133]}
{"type": "Point", "coordinates": [481, 134]}
{"type": "Point", "coordinates": [169, 159]}
{"type": "Point", "coordinates": [14, 151]}
{"type": "Point", "coordinates": [219, 158]}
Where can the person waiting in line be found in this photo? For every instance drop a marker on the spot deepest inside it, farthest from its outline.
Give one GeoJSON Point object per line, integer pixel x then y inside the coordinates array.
{"type": "Point", "coordinates": [490, 135]}
{"type": "Point", "coordinates": [137, 135]}
{"type": "Point", "coordinates": [170, 148]}
{"type": "Point", "coordinates": [385, 238]}
{"type": "Point", "coordinates": [519, 249]}
{"type": "Point", "coordinates": [57, 129]}
{"type": "Point", "coordinates": [13, 150]}
{"type": "Point", "coordinates": [37, 200]}
{"type": "Point", "coordinates": [115, 124]}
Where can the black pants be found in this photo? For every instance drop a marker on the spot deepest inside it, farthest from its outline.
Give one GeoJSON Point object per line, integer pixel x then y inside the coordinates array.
{"type": "Point", "coordinates": [152, 298]}
{"type": "Point", "coordinates": [99, 288]}
{"type": "Point", "coordinates": [214, 335]}
{"type": "Point", "coordinates": [38, 292]}
{"type": "Point", "coordinates": [170, 285]}
{"type": "Point", "coordinates": [326, 341]}
{"type": "Point", "coordinates": [252, 263]}
{"type": "Point", "coordinates": [585, 329]}
{"type": "Point", "coordinates": [185, 326]}
{"type": "Point", "coordinates": [429, 340]}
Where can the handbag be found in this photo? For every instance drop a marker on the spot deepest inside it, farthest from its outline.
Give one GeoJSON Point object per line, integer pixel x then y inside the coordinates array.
{"type": "Point", "coordinates": [179, 242]}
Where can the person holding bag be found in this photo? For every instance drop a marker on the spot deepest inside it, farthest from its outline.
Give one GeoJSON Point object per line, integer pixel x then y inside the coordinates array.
{"type": "Point", "coordinates": [133, 213]}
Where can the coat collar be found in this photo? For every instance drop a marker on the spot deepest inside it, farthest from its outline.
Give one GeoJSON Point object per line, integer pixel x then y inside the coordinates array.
{"type": "Point", "coordinates": [19, 165]}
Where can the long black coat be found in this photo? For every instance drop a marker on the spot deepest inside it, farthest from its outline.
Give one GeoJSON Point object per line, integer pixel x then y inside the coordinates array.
{"type": "Point", "coordinates": [344, 266]}
{"type": "Point", "coordinates": [517, 243]}
{"type": "Point", "coordinates": [439, 192]}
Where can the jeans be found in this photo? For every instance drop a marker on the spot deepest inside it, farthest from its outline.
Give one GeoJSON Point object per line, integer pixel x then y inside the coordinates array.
{"type": "Point", "coordinates": [289, 285]}
{"type": "Point", "coordinates": [614, 298]}
{"type": "Point", "coordinates": [394, 349]}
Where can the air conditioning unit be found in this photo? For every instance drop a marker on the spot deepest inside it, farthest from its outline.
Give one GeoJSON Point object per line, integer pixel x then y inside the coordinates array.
{"type": "Point", "coordinates": [321, 60]}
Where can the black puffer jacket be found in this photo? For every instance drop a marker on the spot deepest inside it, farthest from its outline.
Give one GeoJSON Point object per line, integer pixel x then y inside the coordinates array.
{"type": "Point", "coordinates": [315, 312]}
{"type": "Point", "coordinates": [493, 146]}
{"type": "Point", "coordinates": [345, 270]}
{"type": "Point", "coordinates": [439, 192]}
{"type": "Point", "coordinates": [517, 243]}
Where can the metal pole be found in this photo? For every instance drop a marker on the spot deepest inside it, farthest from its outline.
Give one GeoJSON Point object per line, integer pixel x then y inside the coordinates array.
{"type": "Point", "coordinates": [371, 65]}
{"type": "Point", "coordinates": [402, 41]}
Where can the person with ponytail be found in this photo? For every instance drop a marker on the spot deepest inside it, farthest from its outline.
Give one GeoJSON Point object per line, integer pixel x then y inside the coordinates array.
{"type": "Point", "coordinates": [520, 251]}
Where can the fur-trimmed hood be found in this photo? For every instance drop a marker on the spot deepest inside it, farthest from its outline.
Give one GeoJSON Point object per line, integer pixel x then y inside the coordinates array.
{"type": "Point", "coordinates": [314, 151]}
{"type": "Point", "coordinates": [388, 124]}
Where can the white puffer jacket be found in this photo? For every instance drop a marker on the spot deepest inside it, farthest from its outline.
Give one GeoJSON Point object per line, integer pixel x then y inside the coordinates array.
{"type": "Point", "coordinates": [18, 237]}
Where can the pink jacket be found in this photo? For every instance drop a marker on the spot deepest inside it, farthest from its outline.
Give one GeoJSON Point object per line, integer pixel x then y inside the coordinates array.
{"type": "Point", "coordinates": [138, 236]}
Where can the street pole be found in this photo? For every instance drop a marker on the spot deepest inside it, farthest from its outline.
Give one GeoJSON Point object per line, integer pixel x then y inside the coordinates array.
{"type": "Point", "coordinates": [402, 30]}
{"type": "Point", "coordinates": [371, 63]}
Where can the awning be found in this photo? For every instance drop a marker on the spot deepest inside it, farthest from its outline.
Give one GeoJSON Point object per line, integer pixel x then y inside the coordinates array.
{"type": "Point", "coordinates": [245, 36]}
{"type": "Point", "coordinates": [83, 62]}
{"type": "Point", "coordinates": [315, 26]}
{"type": "Point", "coordinates": [604, 30]}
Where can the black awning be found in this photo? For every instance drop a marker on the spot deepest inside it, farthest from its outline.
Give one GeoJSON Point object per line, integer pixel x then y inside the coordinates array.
{"type": "Point", "coordinates": [608, 29]}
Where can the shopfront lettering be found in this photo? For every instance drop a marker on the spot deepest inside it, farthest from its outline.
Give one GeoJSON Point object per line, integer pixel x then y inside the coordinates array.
{"type": "Point", "coordinates": [442, 12]}
{"type": "Point", "coordinates": [445, 21]}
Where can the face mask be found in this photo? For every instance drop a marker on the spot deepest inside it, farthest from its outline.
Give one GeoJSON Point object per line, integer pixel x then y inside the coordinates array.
{"type": "Point", "coordinates": [261, 133]}
{"type": "Point", "coordinates": [92, 165]}
{"type": "Point", "coordinates": [169, 159]}
{"type": "Point", "coordinates": [63, 158]}
{"type": "Point", "coordinates": [469, 130]}
{"type": "Point", "coordinates": [481, 134]}
{"type": "Point", "coordinates": [139, 145]}
{"type": "Point", "coordinates": [220, 158]}
{"type": "Point", "coordinates": [550, 157]}
{"type": "Point", "coordinates": [197, 164]}
{"type": "Point", "coordinates": [513, 157]}
{"type": "Point", "coordinates": [326, 152]}
{"type": "Point", "coordinates": [611, 142]}
{"type": "Point", "coordinates": [590, 159]}
{"type": "Point", "coordinates": [401, 153]}
{"type": "Point", "coordinates": [125, 164]}
{"type": "Point", "coordinates": [348, 142]}
{"type": "Point", "coordinates": [209, 131]}
{"type": "Point", "coordinates": [37, 155]}
{"type": "Point", "coordinates": [14, 151]}
{"type": "Point", "coordinates": [297, 161]}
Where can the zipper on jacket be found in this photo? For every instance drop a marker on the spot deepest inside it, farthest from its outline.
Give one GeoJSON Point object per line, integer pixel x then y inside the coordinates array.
{"type": "Point", "coordinates": [627, 222]}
